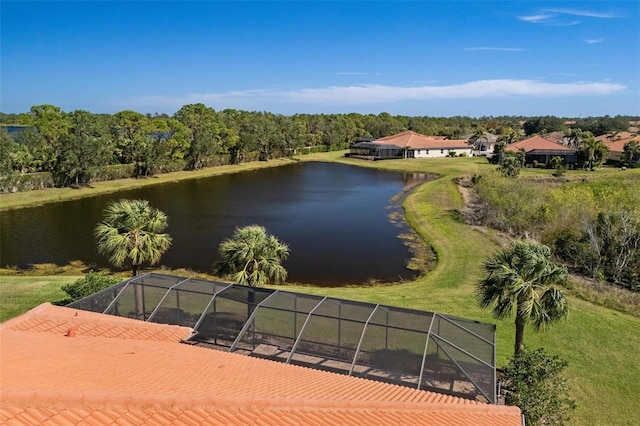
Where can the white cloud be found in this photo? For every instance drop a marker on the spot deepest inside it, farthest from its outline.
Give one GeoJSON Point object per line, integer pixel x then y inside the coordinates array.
{"type": "Point", "coordinates": [594, 40]}
{"type": "Point", "coordinates": [535, 19]}
{"type": "Point", "coordinates": [556, 16]}
{"type": "Point", "coordinates": [502, 49]}
{"type": "Point", "coordinates": [587, 13]}
{"type": "Point", "coordinates": [377, 94]}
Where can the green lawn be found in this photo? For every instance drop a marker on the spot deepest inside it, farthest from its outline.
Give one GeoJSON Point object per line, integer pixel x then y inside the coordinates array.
{"type": "Point", "coordinates": [600, 344]}
{"type": "Point", "coordinates": [18, 294]}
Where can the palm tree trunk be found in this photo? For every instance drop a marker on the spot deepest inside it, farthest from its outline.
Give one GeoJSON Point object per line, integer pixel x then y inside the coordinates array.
{"type": "Point", "coordinates": [138, 296]}
{"type": "Point", "coordinates": [519, 345]}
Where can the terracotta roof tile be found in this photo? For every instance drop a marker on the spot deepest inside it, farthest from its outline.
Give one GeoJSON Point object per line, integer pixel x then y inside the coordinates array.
{"type": "Point", "coordinates": [97, 379]}
{"type": "Point", "coordinates": [411, 139]}
{"type": "Point", "coordinates": [537, 143]}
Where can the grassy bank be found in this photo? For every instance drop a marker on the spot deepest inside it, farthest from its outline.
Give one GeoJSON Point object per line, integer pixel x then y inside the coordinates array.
{"type": "Point", "coordinates": [52, 195]}
{"type": "Point", "coordinates": [600, 344]}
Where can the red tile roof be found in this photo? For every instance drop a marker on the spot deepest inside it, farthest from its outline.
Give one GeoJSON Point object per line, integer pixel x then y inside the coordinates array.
{"type": "Point", "coordinates": [414, 140]}
{"type": "Point", "coordinates": [64, 366]}
{"type": "Point", "coordinates": [537, 143]}
{"type": "Point", "coordinates": [616, 142]}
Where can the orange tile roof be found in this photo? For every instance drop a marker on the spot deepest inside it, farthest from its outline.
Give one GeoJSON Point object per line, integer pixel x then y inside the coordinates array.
{"type": "Point", "coordinates": [66, 367]}
{"type": "Point", "coordinates": [537, 143]}
{"type": "Point", "coordinates": [616, 142]}
{"type": "Point", "coordinates": [411, 139]}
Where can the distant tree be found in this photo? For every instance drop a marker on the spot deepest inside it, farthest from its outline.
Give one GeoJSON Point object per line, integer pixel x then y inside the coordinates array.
{"type": "Point", "coordinates": [534, 381]}
{"type": "Point", "coordinates": [52, 123]}
{"type": "Point", "coordinates": [8, 147]}
{"type": "Point", "coordinates": [631, 153]}
{"type": "Point", "coordinates": [207, 133]}
{"type": "Point", "coordinates": [252, 257]}
{"type": "Point", "coordinates": [546, 124]}
{"type": "Point", "coordinates": [522, 277]}
{"type": "Point", "coordinates": [82, 152]}
{"type": "Point", "coordinates": [510, 166]}
{"type": "Point", "coordinates": [593, 150]}
{"type": "Point", "coordinates": [559, 168]}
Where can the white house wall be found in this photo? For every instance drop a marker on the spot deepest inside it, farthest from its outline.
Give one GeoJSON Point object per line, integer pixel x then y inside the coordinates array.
{"type": "Point", "coordinates": [439, 153]}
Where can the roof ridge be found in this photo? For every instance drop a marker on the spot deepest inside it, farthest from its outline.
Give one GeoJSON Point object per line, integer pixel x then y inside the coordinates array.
{"type": "Point", "coordinates": [107, 400]}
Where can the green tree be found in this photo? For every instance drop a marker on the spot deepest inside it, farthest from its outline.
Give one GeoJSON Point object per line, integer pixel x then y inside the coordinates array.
{"type": "Point", "coordinates": [207, 133]}
{"type": "Point", "coordinates": [631, 153]}
{"type": "Point", "coordinates": [534, 381]}
{"type": "Point", "coordinates": [510, 166]}
{"type": "Point", "coordinates": [252, 257]}
{"type": "Point", "coordinates": [522, 277]}
{"type": "Point", "coordinates": [82, 152]}
{"type": "Point", "coordinates": [594, 151]}
{"type": "Point", "coordinates": [131, 233]}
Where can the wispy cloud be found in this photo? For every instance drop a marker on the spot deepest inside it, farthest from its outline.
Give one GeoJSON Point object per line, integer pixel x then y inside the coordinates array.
{"type": "Point", "coordinates": [536, 19]}
{"type": "Point", "coordinates": [357, 73]}
{"type": "Point", "coordinates": [587, 13]}
{"type": "Point", "coordinates": [558, 16]}
{"type": "Point", "coordinates": [377, 94]}
{"type": "Point", "coordinates": [501, 49]}
{"type": "Point", "coordinates": [594, 40]}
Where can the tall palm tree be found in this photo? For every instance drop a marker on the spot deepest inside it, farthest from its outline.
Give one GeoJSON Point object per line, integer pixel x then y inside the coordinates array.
{"type": "Point", "coordinates": [252, 257]}
{"type": "Point", "coordinates": [131, 232]}
{"type": "Point", "coordinates": [595, 150]}
{"type": "Point", "coordinates": [522, 277]}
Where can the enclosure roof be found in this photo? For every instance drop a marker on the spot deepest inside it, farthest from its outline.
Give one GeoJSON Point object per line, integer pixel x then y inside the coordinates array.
{"type": "Point", "coordinates": [66, 366]}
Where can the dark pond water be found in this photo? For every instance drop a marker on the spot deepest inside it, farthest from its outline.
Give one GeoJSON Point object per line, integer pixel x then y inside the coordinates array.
{"type": "Point", "coordinates": [335, 219]}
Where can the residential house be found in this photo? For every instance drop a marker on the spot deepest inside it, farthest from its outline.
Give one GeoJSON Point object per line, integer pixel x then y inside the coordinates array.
{"type": "Point", "coordinates": [410, 145]}
{"type": "Point", "coordinates": [484, 144]}
{"type": "Point", "coordinates": [616, 142]}
{"type": "Point", "coordinates": [66, 366]}
{"type": "Point", "coordinates": [541, 150]}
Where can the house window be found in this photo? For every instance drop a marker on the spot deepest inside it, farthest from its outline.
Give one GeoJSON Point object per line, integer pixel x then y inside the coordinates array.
{"type": "Point", "coordinates": [442, 151]}
{"type": "Point", "coordinates": [426, 151]}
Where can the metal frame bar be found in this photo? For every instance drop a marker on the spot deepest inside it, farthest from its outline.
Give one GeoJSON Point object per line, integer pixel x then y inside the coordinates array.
{"type": "Point", "coordinates": [115, 299]}
{"type": "Point", "coordinates": [465, 373]}
{"type": "Point", "coordinates": [424, 354]}
{"type": "Point", "coordinates": [306, 321]}
{"type": "Point", "coordinates": [466, 329]}
{"type": "Point", "coordinates": [166, 294]}
{"type": "Point", "coordinates": [249, 321]}
{"type": "Point", "coordinates": [364, 329]}
{"type": "Point", "coordinates": [206, 309]}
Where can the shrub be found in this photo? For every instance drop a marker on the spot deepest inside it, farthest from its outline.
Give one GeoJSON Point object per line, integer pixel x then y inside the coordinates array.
{"type": "Point", "coordinates": [91, 283]}
{"type": "Point", "coordinates": [534, 381]}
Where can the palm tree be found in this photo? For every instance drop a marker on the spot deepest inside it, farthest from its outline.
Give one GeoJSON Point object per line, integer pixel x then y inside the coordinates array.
{"type": "Point", "coordinates": [132, 233]}
{"type": "Point", "coordinates": [523, 276]}
{"type": "Point", "coordinates": [631, 151]}
{"type": "Point", "coordinates": [595, 150]}
{"type": "Point", "coordinates": [252, 257]}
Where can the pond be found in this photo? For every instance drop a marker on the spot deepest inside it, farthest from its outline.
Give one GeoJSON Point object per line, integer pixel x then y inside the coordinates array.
{"type": "Point", "coordinates": [335, 219]}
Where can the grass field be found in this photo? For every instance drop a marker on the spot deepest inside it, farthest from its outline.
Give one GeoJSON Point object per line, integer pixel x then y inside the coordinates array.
{"type": "Point", "coordinates": [600, 344]}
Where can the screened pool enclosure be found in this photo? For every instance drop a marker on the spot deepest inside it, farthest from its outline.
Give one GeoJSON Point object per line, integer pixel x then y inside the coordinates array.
{"type": "Point", "coordinates": [423, 350]}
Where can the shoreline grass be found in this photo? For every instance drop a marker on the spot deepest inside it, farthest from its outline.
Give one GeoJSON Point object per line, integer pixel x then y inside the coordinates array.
{"type": "Point", "coordinates": [600, 344]}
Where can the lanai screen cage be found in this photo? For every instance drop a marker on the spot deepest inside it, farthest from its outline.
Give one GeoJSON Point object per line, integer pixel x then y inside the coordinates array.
{"type": "Point", "coordinates": [423, 350]}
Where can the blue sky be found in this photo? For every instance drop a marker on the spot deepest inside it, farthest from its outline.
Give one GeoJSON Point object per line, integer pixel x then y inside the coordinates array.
{"type": "Point", "coordinates": [477, 58]}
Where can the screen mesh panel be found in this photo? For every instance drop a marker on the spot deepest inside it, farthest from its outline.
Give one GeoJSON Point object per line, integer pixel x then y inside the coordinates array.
{"type": "Point", "coordinates": [424, 350]}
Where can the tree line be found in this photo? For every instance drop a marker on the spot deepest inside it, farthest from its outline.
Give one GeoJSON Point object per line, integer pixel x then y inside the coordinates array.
{"type": "Point", "coordinates": [79, 147]}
